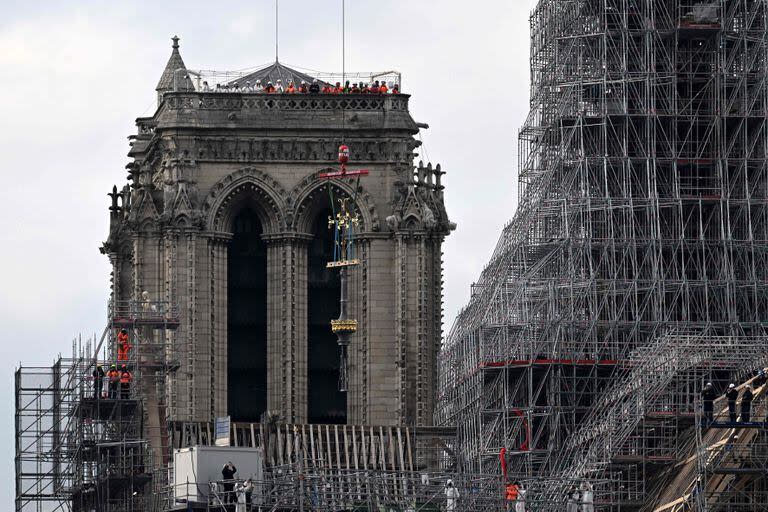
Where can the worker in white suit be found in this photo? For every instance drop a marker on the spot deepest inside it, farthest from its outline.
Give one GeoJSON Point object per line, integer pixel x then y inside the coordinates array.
{"type": "Point", "coordinates": [587, 497]}
{"type": "Point", "coordinates": [451, 496]}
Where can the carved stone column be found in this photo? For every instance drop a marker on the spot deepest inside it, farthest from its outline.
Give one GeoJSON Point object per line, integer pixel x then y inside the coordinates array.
{"type": "Point", "coordinates": [287, 325]}
{"type": "Point", "coordinates": [217, 291]}
{"type": "Point", "coordinates": [360, 296]}
{"type": "Point", "coordinates": [149, 264]}
{"type": "Point", "coordinates": [181, 289]}
{"type": "Point", "coordinates": [403, 301]}
{"type": "Point", "coordinates": [419, 307]}
{"type": "Point", "coordinates": [380, 335]}
{"type": "Point", "coordinates": [419, 224]}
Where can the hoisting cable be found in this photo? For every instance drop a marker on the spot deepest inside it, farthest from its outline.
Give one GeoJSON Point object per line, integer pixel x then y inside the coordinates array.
{"type": "Point", "coordinates": [343, 67]}
{"type": "Point", "coordinates": [337, 227]}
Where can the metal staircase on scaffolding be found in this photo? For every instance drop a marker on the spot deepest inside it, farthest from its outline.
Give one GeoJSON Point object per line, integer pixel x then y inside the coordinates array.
{"type": "Point", "coordinates": [727, 466]}
{"type": "Point", "coordinates": [590, 450]}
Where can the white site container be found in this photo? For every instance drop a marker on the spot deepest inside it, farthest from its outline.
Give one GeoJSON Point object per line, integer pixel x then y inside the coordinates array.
{"type": "Point", "coordinates": [194, 468]}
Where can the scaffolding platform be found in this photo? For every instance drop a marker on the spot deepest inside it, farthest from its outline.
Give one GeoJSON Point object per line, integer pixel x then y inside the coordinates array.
{"type": "Point", "coordinates": [79, 452]}
{"type": "Point", "coordinates": [106, 409]}
{"type": "Point", "coordinates": [156, 314]}
{"type": "Point", "coordinates": [633, 236]}
{"type": "Point", "coordinates": [738, 424]}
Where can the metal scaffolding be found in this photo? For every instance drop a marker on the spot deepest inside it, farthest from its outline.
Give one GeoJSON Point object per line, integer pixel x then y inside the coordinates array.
{"type": "Point", "coordinates": [726, 465]}
{"type": "Point", "coordinates": [80, 447]}
{"type": "Point", "coordinates": [641, 234]}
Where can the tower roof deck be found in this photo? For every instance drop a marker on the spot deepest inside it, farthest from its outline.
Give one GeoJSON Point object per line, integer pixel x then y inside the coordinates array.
{"type": "Point", "coordinates": [278, 71]}
{"type": "Point", "coordinates": [207, 99]}
{"type": "Point", "coordinates": [205, 106]}
{"type": "Point", "coordinates": [292, 112]}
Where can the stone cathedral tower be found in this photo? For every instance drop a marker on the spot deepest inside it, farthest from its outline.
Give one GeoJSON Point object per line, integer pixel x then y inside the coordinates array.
{"type": "Point", "coordinates": [225, 216]}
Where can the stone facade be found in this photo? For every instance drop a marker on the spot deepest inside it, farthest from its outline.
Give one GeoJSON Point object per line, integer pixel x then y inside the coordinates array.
{"type": "Point", "coordinates": [203, 157]}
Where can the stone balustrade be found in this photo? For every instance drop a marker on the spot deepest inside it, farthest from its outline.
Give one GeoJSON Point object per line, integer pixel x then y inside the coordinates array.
{"type": "Point", "coordinates": [261, 101]}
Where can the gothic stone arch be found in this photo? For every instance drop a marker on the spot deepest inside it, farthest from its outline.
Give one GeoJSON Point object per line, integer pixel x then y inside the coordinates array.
{"type": "Point", "coordinates": [248, 184]}
{"type": "Point", "coordinates": [302, 202]}
{"type": "Point", "coordinates": [246, 187]}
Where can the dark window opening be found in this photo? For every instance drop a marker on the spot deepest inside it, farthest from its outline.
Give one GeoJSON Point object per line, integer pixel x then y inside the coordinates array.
{"type": "Point", "coordinates": [325, 403]}
{"type": "Point", "coordinates": [247, 319]}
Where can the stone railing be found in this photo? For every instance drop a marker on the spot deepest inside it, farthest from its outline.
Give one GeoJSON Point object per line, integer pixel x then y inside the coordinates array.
{"type": "Point", "coordinates": [240, 101]}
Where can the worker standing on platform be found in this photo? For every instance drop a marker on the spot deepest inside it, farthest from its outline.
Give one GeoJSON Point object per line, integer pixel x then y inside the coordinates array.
{"type": "Point", "coordinates": [240, 497]}
{"type": "Point", "coordinates": [511, 492]}
{"type": "Point", "coordinates": [451, 496]}
{"type": "Point", "coordinates": [746, 404]}
{"type": "Point", "coordinates": [732, 394]}
{"type": "Point", "coordinates": [572, 500]}
{"type": "Point", "coordinates": [520, 505]}
{"type": "Point", "coordinates": [98, 381]}
{"type": "Point", "coordinates": [760, 379]}
{"type": "Point", "coordinates": [146, 303]}
{"type": "Point", "coordinates": [125, 382]}
{"type": "Point", "coordinates": [228, 473]}
{"type": "Point", "coordinates": [248, 488]}
{"type": "Point", "coordinates": [123, 346]}
{"type": "Point", "coordinates": [587, 497]}
{"type": "Point", "coordinates": [114, 380]}
{"type": "Point", "coordinates": [708, 398]}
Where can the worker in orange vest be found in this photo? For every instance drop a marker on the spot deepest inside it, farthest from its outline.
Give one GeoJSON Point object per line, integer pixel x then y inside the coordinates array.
{"type": "Point", "coordinates": [512, 490]}
{"type": "Point", "coordinates": [114, 379]}
{"type": "Point", "coordinates": [123, 346]}
{"type": "Point", "coordinates": [291, 88]}
{"type": "Point", "coordinates": [383, 88]}
{"type": "Point", "coordinates": [125, 382]}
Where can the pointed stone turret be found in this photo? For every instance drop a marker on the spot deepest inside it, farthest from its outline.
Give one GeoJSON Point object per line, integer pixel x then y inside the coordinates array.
{"type": "Point", "coordinates": [174, 76]}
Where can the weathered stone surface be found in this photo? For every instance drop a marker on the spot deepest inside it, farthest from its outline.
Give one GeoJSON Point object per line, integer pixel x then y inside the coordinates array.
{"type": "Point", "coordinates": [203, 155]}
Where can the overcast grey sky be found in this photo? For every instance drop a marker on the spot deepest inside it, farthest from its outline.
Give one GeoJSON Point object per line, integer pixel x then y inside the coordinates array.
{"type": "Point", "coordinates": [74, 76]}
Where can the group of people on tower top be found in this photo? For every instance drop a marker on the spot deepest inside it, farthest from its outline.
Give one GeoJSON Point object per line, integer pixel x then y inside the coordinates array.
{"type": "Point", "coordinates": [708, 396]}
{"type": "Point", "coordinates": [377, 87]}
